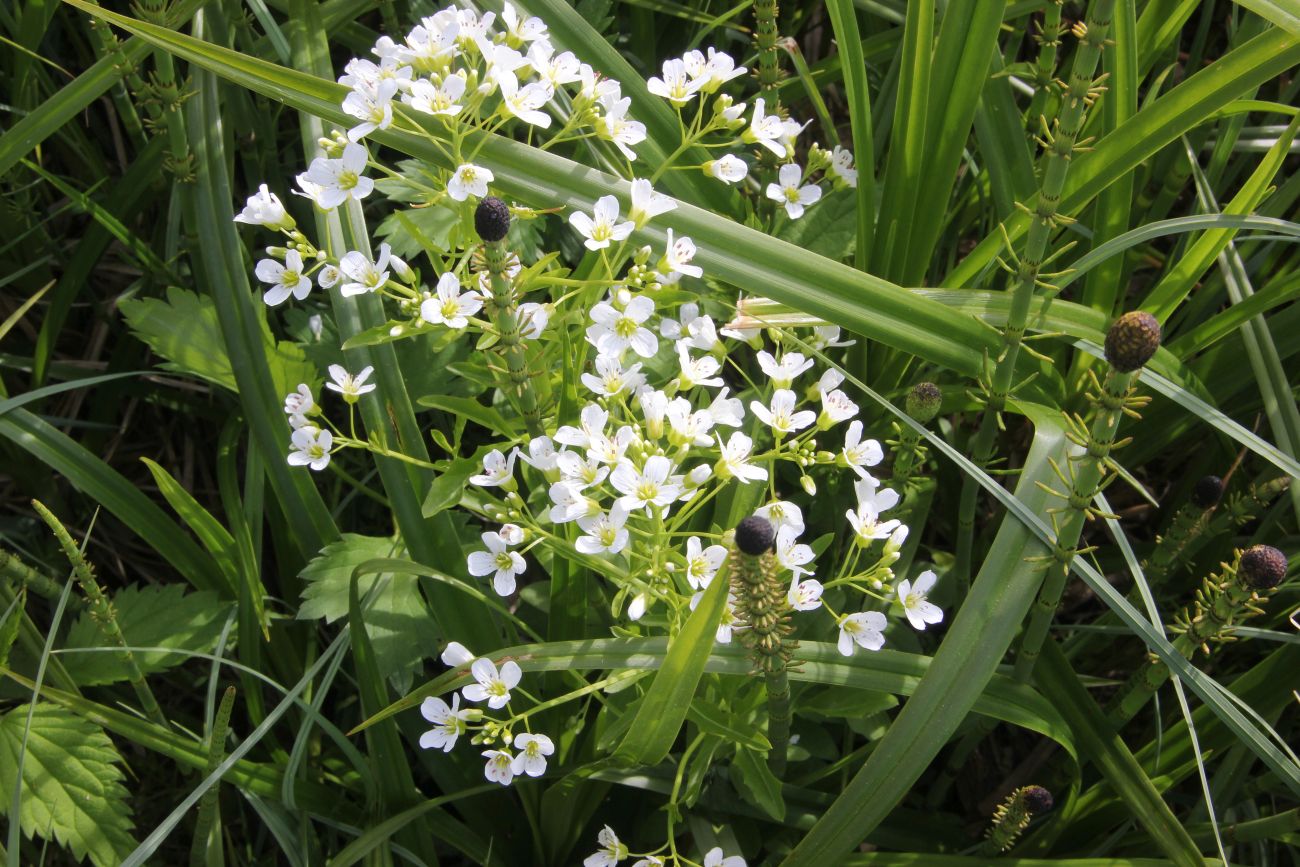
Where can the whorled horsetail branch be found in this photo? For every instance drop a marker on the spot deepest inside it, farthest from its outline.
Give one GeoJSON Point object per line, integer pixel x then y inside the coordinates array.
{"type": "Point", "coordinates": [1227, 598]}
{"type": "Point", "coordinates": [1013, 816]}
{"type": "Point", "coordinates": [762, 606]}
{"type": "Point", "coordinates": [492, 222]}
{"type": "Point", "coordinates": [922, 404]}
{"type": "Point", "coordinates": [102, 612]}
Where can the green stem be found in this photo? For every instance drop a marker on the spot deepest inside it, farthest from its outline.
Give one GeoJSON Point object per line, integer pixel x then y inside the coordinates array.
{"type": "Point", "coordinates": [208, 805]}
{"type": "Point", "coordinates": [1049, 38]}
{"type": "Point", "coordinates": [520, 388]}
{"type": "Point", "coordinates": [765, 39]}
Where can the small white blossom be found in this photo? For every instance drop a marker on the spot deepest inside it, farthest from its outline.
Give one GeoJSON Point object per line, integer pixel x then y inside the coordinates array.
{"type": "Point", "coordinates": [697, 371]}
{"type": "Point", "coordinates": [649, 486]}
{"type": "Point", "coordinates": [511, 534]}
{"type": "Point", "coordinates": [836, 407]}
{"type": "Point", "coordinates": [327, 277]}
{"type": "Point", "coordinates": [919, 610]}
{"type": "Point", "coordinates": [734, 460]}
{"type": "Point", "coordinates": [448, 723]}
{"type": "Point", "coordinates": [647, 204]}
{"type": "Point", "coordinates": [299, 402]}
{"type": "Point", "coordinates": [784, 372]}
{"type": "Point", "coordinates": [602, 226]}
{"type": "Point", "coordinates": [615, 125]}
{"type": "Point", "coordinates": [605, 533]}
{"type": "Point", "coordinates": [615, 331]}
{"type": "Point", "coordinates": [729, 411]}
{"type": "Point", "coordinates": [500, 562]}
{"type": "Point", "coordinates": [500, 766]}
{"type": "Point", "coordinates": [804, 595]}
{"type": "Point", "coordinates": [727, 625]}
{"type": "Point", "coordinates": [719, 69]}
{"type": "Point", "coordinates": [865, 519]}
{"type": "Point", "coordinates": [610, 378]}
{"type": "Point", "coordinates": [287, 279]}
{"type": "Point", "coordinates": [372, 104]}
{"type": "Point", "coordinates": [541, 454]}
{"type": "Point", "coordinates": [714, 858]}
{"type": "Point", "coordinates": [311, 448]}
{"type": "Point", "coordinates": [842, 166]}
{"type": "Point", "coordinates": [264, 208]}
{"type": "Point", "coordinates": [795, 198]}
{"type": "Point", "coordinates": [438, 99]}
{"type": "Point", "coordinates": [781, 416]}
{"type": "Point", "coordinates": [569, 503]}
{"type": "Point", "coordinates": [829, 381]}
{"type": "Point", "coordinates": [526, 102]}
{"type": "Point", "coordinates": [351, 387]}
{"type": "Point", "coordinates": [676, 261]}
{"type": "Point", "coordinates": [675, 86]}
{"type": "Point", "coordinates": [534, 749]}
{"type": "Point", "coordinates": [493, 686]}
{"type": "Point", "coordinates": [497, 470]}
{"type": "Point", "coordinates": [450, 307]}
{"type": "Point", "coordinates": [688, 425]}
{"type": "Point", "coordinates": [533, 318]}
{"type": "Point", "coordinates": [654, 407]}
{"type": "Point", "coordinates": [363, 275]}
{"type": "Point", "coordinates": [610, 450]}
{"type": "Point", "coordinates": [865, 629]}
{"type": "Point", "coordinates": [469, 180]}
{"type": "Point", "coordinates": [783, 514]}
{"type": "Point", "coordinates": [729, 169]}
{"type": "Point", "coordinates": [331, 182]}
{"type": "Point", "coordinates": [591, 422]}
{"type": "Point", "coordinates": [765, 129]}
{"type": "Point", "coordinates": [519, 30]}
{"type": "Point", "coordinates": [611, 851]}
{"type": "Point", "coordinates": [702, 563]}
{"type": "Point", "coordinates": [859, 453]}
{"type": "Point", "coordinates": [456, 654]}
{"type": "Point", "coordinates": [554, 69]}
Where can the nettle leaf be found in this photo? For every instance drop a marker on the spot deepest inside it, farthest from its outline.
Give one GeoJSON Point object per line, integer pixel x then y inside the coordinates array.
{"type": "Point", "coordinates": [149, 616]}
{"type": "Point", "coordinates": [183, 329]}
{"type": "Point", "coordinates": [396, 617]}
{"type": "Point", "coordinates": [829, 228]}
{"type": "Point", "coordinates": [71, 783]}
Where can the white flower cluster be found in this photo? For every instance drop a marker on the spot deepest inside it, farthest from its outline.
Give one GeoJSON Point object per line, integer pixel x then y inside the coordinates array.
{"type": "Point", "coordinates": [613, 851]}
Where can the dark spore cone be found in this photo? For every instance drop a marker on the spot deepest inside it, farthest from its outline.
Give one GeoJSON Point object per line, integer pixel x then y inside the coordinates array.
{"type": "Point", "coordinates": [1262, 567]}
{"type": "Point", "coordinates": [492, 219]}
{"type": "Point", "coordinates": [923, 401]}
{"type": "Point", "coordinates": [754, 535]}
{"type": "Point", "coordinates": [1132, 340]}
{"type": "Point", "coordinates": [1207, 492]}
{"type": "Point", "coordinates": [1038, 799]}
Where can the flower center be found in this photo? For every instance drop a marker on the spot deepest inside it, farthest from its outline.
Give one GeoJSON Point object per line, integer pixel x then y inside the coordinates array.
{"type": "Point", "coordinates": [625, 327]}
{"type": "Point", "coordinates": [450, 309]}
{"type": "Point", "coordinates": [791, 194]}
{"type": "Point", "coordinates": [647, 491]}
{"type": "Point", "coordinates": [498, 687]}
{"type": "Point", "coordinates": [504, 562]}
{"type": "Point", "coordinates": [347, 179]}
{"type": "Point", "coordinates": [289, 279]}
{"type": "Point", "coordinates": [608, 536]}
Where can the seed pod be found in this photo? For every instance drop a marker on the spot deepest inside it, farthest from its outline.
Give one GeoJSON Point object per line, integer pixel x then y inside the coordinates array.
{"type": "Point", "coordinates": [1207, 492]}
{"type": "Point", "coordinates": [492, 219]}
{"type": "Point", "coordinates": [1132, 340]}
{"type": "Point", "coordinates": [1262, 567]}
{"type": "Point", "coordinates": [923, 401]}
{"type": "Point", "coordinates": [754, 535]}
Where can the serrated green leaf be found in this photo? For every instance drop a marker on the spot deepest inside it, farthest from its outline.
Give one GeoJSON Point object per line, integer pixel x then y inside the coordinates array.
{"type": "Point", "coordinates": [397, 620]}
{"type": "Point", "coordinates": [756, 783]}
{"type": "Point", "coordinates": [150, 616]}
{"type": "Point", "coordinates": [71, 783]}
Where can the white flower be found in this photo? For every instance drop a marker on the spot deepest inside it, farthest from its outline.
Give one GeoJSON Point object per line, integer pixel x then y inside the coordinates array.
{"type": "Point", "coordinates": [790, 554]}
{"type": "Point", "coordinates": [610, 450]}
{"type": "Point", "coordinates": [541, 454]}
{"type": "Point", "coordinates": [442, 98]}
{"type": "Point", "coordinates": [605, 533]}
{"type": "Point", "coordinates": [570, 503]}
{"type": "Point", "coordinates": [836, 407]}
{"type": "Point", "coordinates": [766, 130]}
{"type": "Point", "coordinates": [649, 861]}
{"type": "Point", "coordinates": [647, 204]}
{"type": "Point", "coordinates": [533, 318]}
{"type": "Point", "coordinates": [456, 654]}
{"type": "Point", "coordinates": [865, 629]}
{"type": "Point", "coordinates": [697, 371]}
{"type": "Point", "coordinates": [497, 470]}
{"type": "Point", "coordinates": [735, 459]}
{"type": "Point", "coordinates": [584, 472]}
{"type": "Point", "coordinates": [614, 331]}
{"type": "Point", "coordinates": [868, 493]}
{"type": "Point", "coordinates": [783, 514]}
{"type": "Point", "coordinates": [829, 381]}
{"type": "Point", "coordinates": [718, 71]}
{"type": "Point", "coordinates": [714, 856]}
{"type": "Point", "coordinates": [511, 534]}
{"type": "Point", "coordinates": [285, 280]}
{"type": "Point", "coordinates": [789, 132]}
{"type": "Point", "coordinates": [332, 182]}
{"type": "Point", "coordinates": [675, 86]}
{"type": "Point", "coordinates": [654, 406]}
{"type": "Point", "coordinates": [372, 104]}
{"type": "Point", "coordinates": [451, 307]}
{"type": "Point", "coordinates": [520, 30]}
{"type": "Point", "coordinates": [299, 402]}
{"type": "Point", "coordinates": [637, 607]}
{"type": "Point", "coordinates": [859, 453]}
{"type": "Point", "coordinates": [501, 62]}
{"type": "Point", "coordinates": [676, 260]}
{"type": "Point", "coordinates": [688, 425]}
{"type": "Point", "coordinates": [842, 166]}
{"type": "Point", "coordinates": [327, 277]}
{"type": "Point", "coordinates": [610, 377]}
{"type": "Point", "coordinates": [727, 624]}
{"type": "Point", "coordinates": [691, 328]}
{"type": "Point", "coordinates": [919, 610]}
{"type": "Point", "coordinates": [502, 563]}
{"type": "Point", "coordinates": [646, 487]}
{"type": "Point", "coordinates": [865, 519]}
{"type": "Point", "coordinates": [594, 88]}
{"type": "Point", "coordinates": [448, 723]}
{"type": "Point", "coordinates": [702, 563]}
{"type": "Point", "coordinates": [554, 69]}
{"type": "Point", "coordinates": [602, 227]}
{"type": "Point", "coordinates": [526, 102]}
{"type": "Point", "coordinates": [788, 192]}
{"type": "Point", "coordinates": [727, 410]}
{"type": "Point", "coordinates": [311, 447]}
{"type": "Point", "coordinates": [611, 851]}
{"type": "Point", "coordinates": [364, 275]}
{"type": "Point", "coordinates": [827, 337]}
{"type": "Point", "coordinates": [591, 422]}
{"type": "Point", "coordinates": [351, 387]}
{"type": "Point", "coordinates": [432, 42]}
{"type": "Point", "coordinates": [469, 180]}
{"type": "Point", "coordinates": [804, 595]}
{"type": "Point", "coordinates": [493, 686]}
{"type": "Point", "coordinates": [781, 417]}
{"type": "Point", "coordinates": [500, 766]}
{"type": "Point", "coordinates": [534, 748]}
{"type": "Point", "coordinates": [265, 209]}
{"type": "Point", "coordinates": [783, 373]}
{"type": "Point", "coordinates": [615, 126]}
{"type": "Point", "coordinates": [728, 169]}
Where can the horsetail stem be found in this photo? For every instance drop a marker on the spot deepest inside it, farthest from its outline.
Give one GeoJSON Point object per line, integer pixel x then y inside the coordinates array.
{"type": "Point", "coordinates": [765, 40]}
{"type": "Point", "coordinates": [216, 755]}
{"type": "Point", "coordinates": [101, 611]}
{"type": "Point", "coordinates": [1012, 816]}
{"type": "Point", "coordinates": [762, 604]}
{"type": "Point", "coordinates": [1059, 142]}
{"type": "Point", "coordinates": [922, 405]}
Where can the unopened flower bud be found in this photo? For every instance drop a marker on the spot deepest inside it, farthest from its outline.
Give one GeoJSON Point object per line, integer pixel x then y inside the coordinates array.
{"type": "Point", "coordinates": [403, 270]}
{"type": "Point", "coordinates": [923, 401]}
{"type": "Point", "coordinates": [754, 535]}
{"type": "Point", "coordinates": [1207, 492]}
{"type": "Point", "coordinates": [1262, 567]}
{"type": "Point", "coordinates": [492, 219]}
{"type": "Point", "coordinates": [809, 485]}
{"type": "Point", "coordinates": [1132, 340]}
